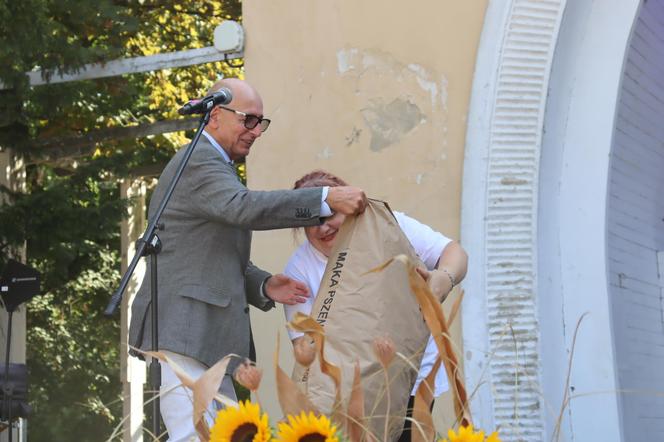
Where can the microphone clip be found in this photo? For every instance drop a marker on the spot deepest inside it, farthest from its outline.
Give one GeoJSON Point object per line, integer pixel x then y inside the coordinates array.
{"type": "Point", "coordinates": [205, 105]}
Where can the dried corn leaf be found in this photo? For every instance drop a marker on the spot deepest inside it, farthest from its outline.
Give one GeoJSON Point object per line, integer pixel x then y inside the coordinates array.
{"type": "Point", "coordinates": [308, 325]}
{"type": "Point", "coordinates": [291, 399]}
{"type": "Point", "coordinates": [435, 320]}
{"type": "Point", "coordinates": [355, 428]}
{"type": "Point", "coordinates": [204, 389]}
{"type": "Point", "coordinates": [455, 309]}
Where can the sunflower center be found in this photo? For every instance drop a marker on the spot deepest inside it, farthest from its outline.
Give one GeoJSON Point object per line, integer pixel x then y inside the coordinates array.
{"type": "Point", "coordinates": [313, 437]}
{"type": "Point", "coordinates": [244, 433]}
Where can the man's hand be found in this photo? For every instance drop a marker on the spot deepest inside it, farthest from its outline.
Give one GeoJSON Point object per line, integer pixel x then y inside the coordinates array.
{"type": "Point", "coordinates": [439, 282]}
{"type": "Point", "coordinates": [281, 288]}
{"type": "Point", "coordinates": [346, 199]}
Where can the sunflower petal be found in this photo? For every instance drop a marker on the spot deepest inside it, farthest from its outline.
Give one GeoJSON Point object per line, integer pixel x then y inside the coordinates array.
{"type": "Point", "coordinates": [241, 421]}
{"type": "Point", "coordinates": [305, 424]}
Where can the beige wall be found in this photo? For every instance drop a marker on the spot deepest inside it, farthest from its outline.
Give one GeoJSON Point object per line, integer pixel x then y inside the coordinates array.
{"type": "Point", "coordinates": [374, 91]}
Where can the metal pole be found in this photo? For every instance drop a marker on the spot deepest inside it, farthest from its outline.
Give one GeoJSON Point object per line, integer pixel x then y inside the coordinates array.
{"type": "Point", "coordinates": [155, 368]}
{"type": "Point", "coordinates": [8, 393]}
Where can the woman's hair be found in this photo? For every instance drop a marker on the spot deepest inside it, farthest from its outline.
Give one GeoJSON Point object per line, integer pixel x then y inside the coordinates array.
{"type": "Point", "coordinates": [316, 178]}
{"type": "Point", "coordinates": [319, 178]}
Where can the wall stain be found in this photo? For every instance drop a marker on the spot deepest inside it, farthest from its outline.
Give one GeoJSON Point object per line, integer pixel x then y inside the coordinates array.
{"type": "Point", "coordinates": [388, 123]}
{"type": "Point", "coordinates": [513, 181]}
{"type": "Point", "coordinates": [357, 63]}
{"type": "Point", "coordinates": [354, 136]}
{"type": "Point", "coordinates": [325, 154]}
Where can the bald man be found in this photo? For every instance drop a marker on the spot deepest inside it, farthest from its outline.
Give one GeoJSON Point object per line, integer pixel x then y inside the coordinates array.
{"type": "Point", "coordinates": [206, 280]}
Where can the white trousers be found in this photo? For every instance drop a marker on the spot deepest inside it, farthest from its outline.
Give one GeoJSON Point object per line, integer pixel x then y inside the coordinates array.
{"type": "Point", "coordinates": [176, 401]}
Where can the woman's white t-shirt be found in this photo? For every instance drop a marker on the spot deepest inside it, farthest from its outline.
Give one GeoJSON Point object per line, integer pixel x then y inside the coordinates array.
{"type": "Point", "coordinates": [307, 265]}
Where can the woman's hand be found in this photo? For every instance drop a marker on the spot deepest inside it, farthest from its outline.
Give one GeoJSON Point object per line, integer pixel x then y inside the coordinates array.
{"type": "Point", "coordinates": [439, 282]}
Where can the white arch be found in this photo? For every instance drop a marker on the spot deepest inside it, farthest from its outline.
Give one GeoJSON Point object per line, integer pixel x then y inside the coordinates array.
{"type": "Point", "coordinates": [550, 228]}
{"type": "Point", "coordinates": [499, 214]}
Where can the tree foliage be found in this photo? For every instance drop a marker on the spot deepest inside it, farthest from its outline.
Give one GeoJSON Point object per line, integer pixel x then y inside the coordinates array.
{"type": "Point", "coordinates": [69, 212]}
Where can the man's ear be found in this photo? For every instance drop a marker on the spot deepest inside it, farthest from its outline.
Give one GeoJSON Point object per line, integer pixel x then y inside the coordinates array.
{"type": "Point", "coordinates": [214, 116]}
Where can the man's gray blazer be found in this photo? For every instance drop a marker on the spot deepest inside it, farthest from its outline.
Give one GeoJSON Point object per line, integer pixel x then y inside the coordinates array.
{"type": "Point", "coordinates": [206, 280]}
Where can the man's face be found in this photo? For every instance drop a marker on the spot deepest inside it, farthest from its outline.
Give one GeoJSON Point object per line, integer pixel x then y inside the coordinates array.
{"type": "Point", "coordinates": [228, 127]}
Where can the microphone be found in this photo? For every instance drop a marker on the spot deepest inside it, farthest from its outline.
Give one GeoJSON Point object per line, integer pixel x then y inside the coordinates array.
{"type": "Point", "coordinates": [222, 96]}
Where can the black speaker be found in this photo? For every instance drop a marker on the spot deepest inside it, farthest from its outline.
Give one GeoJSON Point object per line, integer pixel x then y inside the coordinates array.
{"type": "Point", "coordinates": [18, 284]}
{"type": "Point", "coordinates": [14, 393]}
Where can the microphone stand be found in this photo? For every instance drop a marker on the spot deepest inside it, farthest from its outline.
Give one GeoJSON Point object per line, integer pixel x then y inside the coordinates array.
{"type": "Point", "coordinates": [149, 244]}
{"type": "Point", "coordinates": [8, 392]}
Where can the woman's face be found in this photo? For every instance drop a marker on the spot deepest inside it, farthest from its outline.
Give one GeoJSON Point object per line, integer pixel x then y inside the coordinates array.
{"type": "Point", "coordinates": [322, 237]}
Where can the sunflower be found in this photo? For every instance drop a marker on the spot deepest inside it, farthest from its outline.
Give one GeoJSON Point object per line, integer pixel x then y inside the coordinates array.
{"type": "Point", "coordinates": [468, 434]}
{"type": "Point", "coordinates": [242, 424]}
{"type": "Point", "coordinates": [307, 428]}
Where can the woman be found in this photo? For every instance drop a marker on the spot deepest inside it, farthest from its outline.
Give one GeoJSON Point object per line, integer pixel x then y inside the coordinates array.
{"type": "Point", "coordinates": [446, 263]}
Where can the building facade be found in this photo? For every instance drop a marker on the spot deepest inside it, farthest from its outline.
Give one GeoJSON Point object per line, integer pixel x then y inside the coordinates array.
{"type": "Point", "coordinates": [529, 129]}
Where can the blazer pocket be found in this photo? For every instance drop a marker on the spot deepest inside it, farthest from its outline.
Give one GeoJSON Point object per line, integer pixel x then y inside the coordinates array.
{"type": "Point", "coordinates": [205, 294]}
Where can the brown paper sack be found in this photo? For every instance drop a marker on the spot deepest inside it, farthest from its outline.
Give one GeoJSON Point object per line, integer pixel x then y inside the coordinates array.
{"type": "Point", "coordinates": [354, 308]}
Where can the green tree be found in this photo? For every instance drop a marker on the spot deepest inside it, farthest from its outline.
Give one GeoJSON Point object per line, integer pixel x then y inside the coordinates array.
{"type": "Point", "coordinates": [70, 212]}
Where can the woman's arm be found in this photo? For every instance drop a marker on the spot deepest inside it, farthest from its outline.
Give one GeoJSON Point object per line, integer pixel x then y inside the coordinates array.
{"type": "Point", "coordinates": [449, 272]}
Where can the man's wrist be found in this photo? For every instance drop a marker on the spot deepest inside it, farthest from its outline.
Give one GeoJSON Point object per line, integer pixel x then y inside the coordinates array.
{"type": "Point", "coordinates": [325, 209]}
{"type": "Point", "coordinates": [264, 288]}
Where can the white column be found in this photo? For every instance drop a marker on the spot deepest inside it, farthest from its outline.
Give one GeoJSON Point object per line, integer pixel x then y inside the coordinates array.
{"type": "Point", "coordinates": [132, 370]}
{"type": "Point", "coordinates": [12, 175]}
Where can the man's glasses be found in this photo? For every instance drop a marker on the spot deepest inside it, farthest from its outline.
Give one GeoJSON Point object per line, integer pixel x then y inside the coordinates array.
{"type": "Point", "coordinates": [251, 121]}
